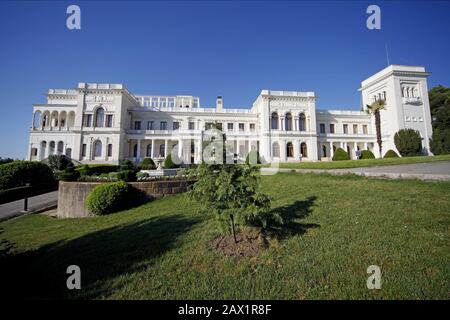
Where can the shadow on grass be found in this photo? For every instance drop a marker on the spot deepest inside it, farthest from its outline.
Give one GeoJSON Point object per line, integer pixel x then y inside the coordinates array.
{"type": "Point", "coordinates": [291, 214]}
{"type": "Point", "coordinates": [101, 256]}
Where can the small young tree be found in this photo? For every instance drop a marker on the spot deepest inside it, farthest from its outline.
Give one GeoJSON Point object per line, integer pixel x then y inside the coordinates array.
{"type": "Point", "coordinates": [408, 142]}
{"type": "Point", "coordinates": [57, 162]}
{"type": "Point", "coordinates": [232, 193]}
{"type": "Point", "coordinates": [375, 110]}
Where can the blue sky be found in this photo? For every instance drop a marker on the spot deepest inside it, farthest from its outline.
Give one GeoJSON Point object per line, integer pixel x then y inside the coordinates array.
{"type": "Point", "coordinates": [233, 49]}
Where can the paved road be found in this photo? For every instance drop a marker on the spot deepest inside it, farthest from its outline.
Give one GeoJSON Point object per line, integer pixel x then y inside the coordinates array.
{"type": "Point", "coordinates": [432, 168]}
{"type": "Point", "coordinates": [12, 209]}
{"type": "Point", "coordinates": [438, 171]}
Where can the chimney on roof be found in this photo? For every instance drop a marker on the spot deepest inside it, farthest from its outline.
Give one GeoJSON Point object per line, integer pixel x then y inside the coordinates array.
{"type": "Point", "coordinates": [219, 104]}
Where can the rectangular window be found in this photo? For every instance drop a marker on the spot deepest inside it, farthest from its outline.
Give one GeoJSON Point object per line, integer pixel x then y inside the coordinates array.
{"type": "Point", "coordinates": [163, 125]}
{"type": "Point", "coordinates": [230, 126]}
{"type": "Point", "coordinates": [83, 150]}
{"type": "Point", "coordinates": [162, 102]}
{"type": "Point", "coordinates": [331, 127]}
{"type": "Point", "coordinates": [191, 125]}
{"type": "Point", "coordinates": [195, 103]}
{"type": "Point", "coordinates": [241, 127]}
{"type": "Point", "coordinates": [110, 150]}
{"type": "Point", "coordinates": [171, 102]}
{"type": "Point", "coordinates": [176, 125]}
{"type": "Point", "coordinates": [355, 129]}
{"type": "Point", "coordinates": [109, 120]}
{"type": "Point", "coordinates": [252, 127]}
{"type": "Point", "coordinates": [150, 125]}
{"type": "Point", "coordinates": [88, 120]}
{"type": "Point", "coordinates": [322, 127]}
{"type": "Point", "coordinates": [365, 129]}
{"type": "Point", "coordinates": [137, 125]}
{"type": "Point", "coordinates": [345, 127]}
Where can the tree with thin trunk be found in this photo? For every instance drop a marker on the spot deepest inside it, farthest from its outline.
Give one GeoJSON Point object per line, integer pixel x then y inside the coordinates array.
{"type": "Point", "coordinates": [374, 109]}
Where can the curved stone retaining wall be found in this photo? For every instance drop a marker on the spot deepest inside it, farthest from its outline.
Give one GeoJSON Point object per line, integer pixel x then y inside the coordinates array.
{"type": "Point", "coordinates": [72, 195]}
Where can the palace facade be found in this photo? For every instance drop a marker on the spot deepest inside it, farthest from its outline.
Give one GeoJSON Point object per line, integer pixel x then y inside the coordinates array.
{"type": "Point", "coordinates": [106, 123]}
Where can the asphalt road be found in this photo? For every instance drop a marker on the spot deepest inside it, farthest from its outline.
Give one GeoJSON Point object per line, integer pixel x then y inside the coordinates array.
{"type": "Point", "coordinates": [435, 168]}
{"type": "Point", "coordinates": [12, 209]}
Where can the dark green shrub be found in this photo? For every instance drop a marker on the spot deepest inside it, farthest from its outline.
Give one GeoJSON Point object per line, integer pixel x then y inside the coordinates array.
{"type": "Point", "coordinates": [391, 154]}
{"type": "Point", "coordinates": [96, 169]}
{"type": "Point", "coordinates": [127, 165]}
{"type": "Point", "coordinates": [127, 175]}
{"type": "Point", "coordinates": [253, 158]}
{"type": "Point", "coordinates": [408, 142]}
{"type": "Point", "coordinates": [367, 154]}
{"type": "Point", "coordinates": [5, 160]}
{"type": "Point", "coordinates": [340, 154]}
{"type": "Point", "coordinates": [18, 173]}
{"type": "Point", "coordinates": [109, 197]}
{"type": "Point", "coordinates": [58, 162]}
{"type": "Point", "coordinates": [148, 164]}
{"type": "Point", "coordinates": [69, 174]}
{"type": "Point", "coordinates": [440, 142]}
{"type": "Point", "coordinates": [168, 163]}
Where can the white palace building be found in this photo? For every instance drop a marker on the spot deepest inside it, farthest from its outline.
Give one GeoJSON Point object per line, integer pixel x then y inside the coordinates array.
{"type": "Point", "coordinates": [106, 123]}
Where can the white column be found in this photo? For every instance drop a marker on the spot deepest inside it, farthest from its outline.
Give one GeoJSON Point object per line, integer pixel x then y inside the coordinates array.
{"type": "Point", "coordinates": [341, 145]}
{"type": "Point", "coordinates": [331, 150]}
{"type": "Point", "coordinates": [296, 126]}
{"type": "Point", "coordinates": [152, 154]}
{"type": "Point", "coordinates": [199, 150]}
{"type": "Point", "coordinates": [138, 155]}
{"type": "Point", "coordinates": [282, 144]}
{"type": "Point", "coordinates": [365, 145]}
{"type": "Point", "coordinates": [282, 123]}
{"type": "Point", "coordinates": [166, 147]}
{"type": "Point", "coordinates": [355, 147]}
{"type": "Point", "coordinates": [297, 152]}
{"type": "Point", "coordinates": [180, 148]}
{"type": "Point", "coordinates": [345, 148]}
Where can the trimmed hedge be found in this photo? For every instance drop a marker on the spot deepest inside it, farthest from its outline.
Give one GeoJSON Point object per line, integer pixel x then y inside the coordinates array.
{"type": "Point", "coordinates": [340, 154]}
{"type": "Point", "coordinates": [367, 154]}
{"type": "Point", "coordinates": [109, 197]}
{"type": "Point", "coordinates": [168, 163]}
{"type": "Point", "coordinates": [69, 174]}
{"type": "Point", "coordinates": [127, 175]}
{"type": "Point", "coordinates": [147, 164]}
{"type": "Point", "coordinates": [18, 173]}
{"type": "Point", "coordinates": [96, 169]}
{"type": "Point", "coordinates": [391, 154]}
{"type": "Point", "coordinates": [408, 142]}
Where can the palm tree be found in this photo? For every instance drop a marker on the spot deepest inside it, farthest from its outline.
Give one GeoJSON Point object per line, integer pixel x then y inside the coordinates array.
{"type": "Point", "coordinates": [374, 109]}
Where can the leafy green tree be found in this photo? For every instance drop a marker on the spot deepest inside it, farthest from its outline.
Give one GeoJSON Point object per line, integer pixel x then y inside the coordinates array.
{"type": "Point", "coordinates": [374, 109]}
{"type": "Point", "coordinates": [58, 162]}
{"type": "Point", "coordinates": [408, 142]}
{"type": "Point", "coordinates": [440, 112]}
{"type": "Point", "coordinates": [147, 164]}
{"type": "Point", "coordinates": [232, 192]}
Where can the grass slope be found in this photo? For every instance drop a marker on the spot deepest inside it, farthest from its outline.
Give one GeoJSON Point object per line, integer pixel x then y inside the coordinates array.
{"type": "Point", "coordinates": [338, 227]}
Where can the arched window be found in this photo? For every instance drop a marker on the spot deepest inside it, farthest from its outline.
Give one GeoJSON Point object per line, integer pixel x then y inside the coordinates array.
{"type": "Point", "coordinates": [60, 147]}
{"type": "Point", "coordinates": [274, 124]}
{"type": "Point", "coordinates": [37, 120]}
{"type": "Point", "coordinates": [52, 148]}
{"type": "Point", "coordinates": [69, 153]}
{"type": "Point", "coordinates": [135, 151]}
{"type": "Point", "coordinates": [275, 150]}
{"type": "Point", "coordinates": [288, 122]}
{"type": "Point", "coordinates": [97, 148]}
{"type": "Point", "coordinates": [161, 150]}
{"type": "Point", "coordinates": [324, 151]}
{"type": "Point", "coordinates": [99, 117]}
{"type": "Point", "coordinates": [289, 150]}
{"type": "Point", "coordinates": [302, 122]}
{"type": "Point", "coordinates": [304, 150]}
{"type": "Point", "coordinates": [43, 146]}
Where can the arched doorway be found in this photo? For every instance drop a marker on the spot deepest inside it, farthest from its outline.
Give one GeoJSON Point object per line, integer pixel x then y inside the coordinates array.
{"type": "Point", "coordinates": [304, 150]}
{"type": "Point", "coordinates": [324, 151]}
{"type": "Point", "coordinates": [289, 150]}
{"type": "Point", "coordinates": [275, 150]}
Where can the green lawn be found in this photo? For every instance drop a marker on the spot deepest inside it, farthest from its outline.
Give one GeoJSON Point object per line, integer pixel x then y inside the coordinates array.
{"type": "Point", "coordinates": [160, 250]}
{"type": "Point", "coordinates": [361, 163]}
